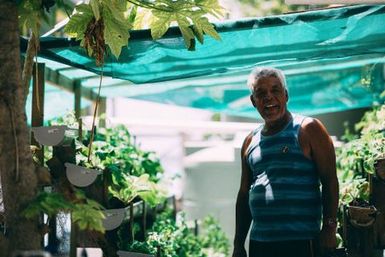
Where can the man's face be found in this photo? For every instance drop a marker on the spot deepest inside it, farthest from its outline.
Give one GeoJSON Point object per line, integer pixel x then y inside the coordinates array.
{"type": "Point", "coordinates": [269, 98]}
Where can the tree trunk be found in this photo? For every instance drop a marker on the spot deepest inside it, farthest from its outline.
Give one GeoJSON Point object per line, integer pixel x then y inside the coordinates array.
{"type": "Point", "coordinates": [18, 178]}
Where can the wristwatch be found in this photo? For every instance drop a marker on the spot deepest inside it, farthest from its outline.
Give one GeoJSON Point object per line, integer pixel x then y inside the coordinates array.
{"type": "Point", "coordinates": [330, 223]}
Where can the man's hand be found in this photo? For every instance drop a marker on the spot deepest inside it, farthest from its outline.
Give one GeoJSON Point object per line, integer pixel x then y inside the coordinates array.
{"type": "Point", "coordinates": [327, 240]}
{"type": "Point", "coordinates": [239, 252]}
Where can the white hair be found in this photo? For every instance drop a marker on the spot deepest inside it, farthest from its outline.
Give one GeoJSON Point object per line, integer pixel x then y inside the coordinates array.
{"type": "Point", "coordinates": [264, 72]}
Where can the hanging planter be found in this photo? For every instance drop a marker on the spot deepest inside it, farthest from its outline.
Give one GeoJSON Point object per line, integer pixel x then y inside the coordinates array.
{"type": "Point", "coordinates": [49, 136]}
{"type": "Point", "coordinates": [132, 254]}
{"type": "Point", "coordinates": [80, 176]}
{"type": "Point", "coordinates": [362, 217]}
{"type": "Point", "coordinates": [113, 218]}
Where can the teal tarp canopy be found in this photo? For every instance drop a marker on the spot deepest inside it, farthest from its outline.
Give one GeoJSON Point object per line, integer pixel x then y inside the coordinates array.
{"type": "Point", "coordinates": [333, 59]}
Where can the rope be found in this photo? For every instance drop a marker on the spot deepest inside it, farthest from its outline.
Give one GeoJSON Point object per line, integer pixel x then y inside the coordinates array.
{"type": "Point", "coordinates": [37, 82]}
{"type": "Point", "coordinates": [94, 117]}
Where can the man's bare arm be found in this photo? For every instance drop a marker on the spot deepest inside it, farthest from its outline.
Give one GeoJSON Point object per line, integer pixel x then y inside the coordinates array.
{"type": "Point", "coordinates": [243, 215]}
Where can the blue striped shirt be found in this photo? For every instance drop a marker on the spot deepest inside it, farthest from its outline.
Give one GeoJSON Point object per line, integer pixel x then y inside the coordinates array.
{"type": "Point", "coordinates": [284, 198]}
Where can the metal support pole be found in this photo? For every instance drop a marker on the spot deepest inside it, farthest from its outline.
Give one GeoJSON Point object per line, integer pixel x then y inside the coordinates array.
{"type": "Point", "coordinates": [78, 98]}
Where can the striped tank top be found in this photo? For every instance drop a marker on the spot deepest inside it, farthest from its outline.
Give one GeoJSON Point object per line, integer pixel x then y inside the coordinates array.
{"type": "Point", "coordinates": [284, 198]}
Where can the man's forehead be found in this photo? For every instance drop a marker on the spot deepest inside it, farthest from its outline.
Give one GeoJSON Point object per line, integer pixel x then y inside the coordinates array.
{"type": "Point", "coordinates": [267, 81]}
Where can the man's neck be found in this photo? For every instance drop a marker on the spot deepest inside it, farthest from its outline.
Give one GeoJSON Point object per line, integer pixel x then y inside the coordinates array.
{"type": "Point", "coordinates": [274, 127]}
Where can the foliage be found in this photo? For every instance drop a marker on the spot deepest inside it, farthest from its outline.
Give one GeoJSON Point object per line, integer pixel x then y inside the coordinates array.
{"type": "Point", "coordinates": [359, 154]}
{"type": "Point", "coordinates": [107, 23]}
{"type": "Point", "coordinates": [98, 24]}
{"type": "Point", "coordinates": [356, 159]}
{"type": "Point", "coordinates": [133, 172]}
{"type": "Point", "coordinates": [48, 203]}
{"type": "Point", "coordinates": [172, 239]}
{"type": "Point", "coordinates": [86, 213]}
{"type": "Point", "coordinates": [103, 26]}
{"type": "Point", "coordinates": [185, 13]}
{"type": "Point", "coordinates": [116, 149]}
{"type": "Point", "coordinates": [356, 189]}
{"type": "Point", "coordinates": [127, 188]}
{"type": "Point", "coordinates": [213, 237]}
{"type": "Point", "coordinates": [373, 121]}
{"type": "Point", "coordinates": [30, 15]}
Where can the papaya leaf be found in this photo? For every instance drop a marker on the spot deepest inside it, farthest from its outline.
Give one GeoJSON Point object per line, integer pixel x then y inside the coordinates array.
{"type": "Point", "coordinates": [95, 8]}
{"type": "Point", "coordinates": [133, 14]}
{"type": "Point", "coordinates": [159, 26]}
{"type": "Point", "coordinates": [211, 6]}
{"type": "Point", "coordinates": [187, 33]}
{"type": "Point", "coordinates": [116, 6]}
{"type": "Point", "coordinates": [77, 25]}
{"type": "Point", "coordinates": [116, 31]}
{"type": "Point", "coordinates": [208, 28]}
{"type": "Point", "coordinates": [198, 32]}
{"type": "Point", "coordinates": [202, 25]}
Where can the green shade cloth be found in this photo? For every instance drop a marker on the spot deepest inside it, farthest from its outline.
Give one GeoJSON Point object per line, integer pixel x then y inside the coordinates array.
{"type": "Point", "coordinates": [57, 103]}
{"type": "Point", "coordinates": [326, 55]}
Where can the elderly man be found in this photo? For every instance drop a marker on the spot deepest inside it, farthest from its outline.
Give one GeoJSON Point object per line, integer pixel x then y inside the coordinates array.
{"type": "Point", "coordinates": [283, 163]}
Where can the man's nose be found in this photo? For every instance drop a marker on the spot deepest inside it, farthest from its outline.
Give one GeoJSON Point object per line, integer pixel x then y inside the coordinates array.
{"type": "Point", "coordinates": [268, 96]}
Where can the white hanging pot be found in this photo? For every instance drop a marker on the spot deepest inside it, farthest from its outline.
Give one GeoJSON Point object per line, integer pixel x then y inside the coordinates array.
{"type": "Point", "coordinates": [132, 254]}
{"type": "Point", "coordinates": [113, 218]}
{"type": "Point", "coordinates": [50, 136]}
{"type": "Point", "coordinates": [80, 176]}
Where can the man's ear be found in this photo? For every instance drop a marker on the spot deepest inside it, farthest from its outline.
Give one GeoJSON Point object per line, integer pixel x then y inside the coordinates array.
{"type": "Point", "coordinates": [252, 100]}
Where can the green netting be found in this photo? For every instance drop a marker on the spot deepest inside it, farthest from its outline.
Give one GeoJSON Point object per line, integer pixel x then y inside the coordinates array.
{"type": "Point", "coordinates": [320, 92]}
{"type": "Point", "coordinates": [57, 103]}
{"type": "Point", "coordinates": [283, 41]}
{"type": "Point", "coordinates": [326, 54]}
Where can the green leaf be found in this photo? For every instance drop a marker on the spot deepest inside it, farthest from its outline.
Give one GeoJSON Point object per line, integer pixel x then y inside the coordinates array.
{"type": "Point", "coordinates": [116, 31]}
{"type": "Point", "coordinates": [30, 15]}
{"type": "Point", "coordinates": [116, 6]}
{"type": "Point", "coordinates": [211, 6]}
{"type": "Point", "coordinates": [187, 32]}
{"type": "Point", "coordinates": [78, 22]}
{"type": "Point", "coordinates": [88, 217]}
{"type": "Point", "coordinates": [49, 203]}
{"type": "Point", "coordinates": [201, 25]}
{"type": "Point", "coordinates": [159, 26]}
{"type": "Point", "coordinates": [133, 14]}
{"type": "Point", "coordinates": [198, 32]}
{"type": "Point", "coordinates": [209, 30]}
{"type": "Point", "coordinates": [95, 8]}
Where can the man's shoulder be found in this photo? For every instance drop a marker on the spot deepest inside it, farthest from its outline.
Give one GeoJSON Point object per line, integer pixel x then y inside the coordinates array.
{"type": "Point", "coordinates": [312, 126]}
{"type": "Point", "coordinates": [249, 137]}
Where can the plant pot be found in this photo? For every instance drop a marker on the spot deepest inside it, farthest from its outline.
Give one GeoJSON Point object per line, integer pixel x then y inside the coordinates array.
{"type": "Point", "coordinates": [113, 218]}
{"type": "Point", "coordinates": [80, 176]}
{"type": "Point", "coordinates": [132, 254]}
{"type": "Point", "coordinates": [50, 136]}
{"type": "Point", "coordinates": [362, 217]}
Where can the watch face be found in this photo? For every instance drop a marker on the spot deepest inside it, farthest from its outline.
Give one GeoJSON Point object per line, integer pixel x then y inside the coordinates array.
{"type": "Point", "coordinates": [331, 223]}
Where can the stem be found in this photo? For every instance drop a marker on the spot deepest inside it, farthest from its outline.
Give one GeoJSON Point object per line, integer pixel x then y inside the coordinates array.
{"type": "Point", "coordinates": [94, 117]}
{"type": "Point", "coordinates": [150, 6]}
